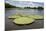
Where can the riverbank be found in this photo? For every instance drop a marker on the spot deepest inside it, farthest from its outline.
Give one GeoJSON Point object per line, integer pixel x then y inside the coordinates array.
{"type": "Point", "coordinates": [10, 6]}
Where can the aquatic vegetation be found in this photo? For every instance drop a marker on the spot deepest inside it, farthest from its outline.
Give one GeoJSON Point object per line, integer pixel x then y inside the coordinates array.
{"type": "Point", "coordinates": [25, 19]}
{"type": "Point", "coordinates": [36, 16]}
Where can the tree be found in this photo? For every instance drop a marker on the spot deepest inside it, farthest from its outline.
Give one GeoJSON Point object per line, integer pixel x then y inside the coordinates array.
{"type": "Point", "coordinates": [40, 8]}
{"type": "Point", "coordinates": [9, 6]}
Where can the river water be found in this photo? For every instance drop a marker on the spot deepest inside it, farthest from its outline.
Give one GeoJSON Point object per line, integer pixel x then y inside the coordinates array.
{"type": "Point", "coordinates": [10, 11]}
{"type": "Point", "coordinates": [24, 11]}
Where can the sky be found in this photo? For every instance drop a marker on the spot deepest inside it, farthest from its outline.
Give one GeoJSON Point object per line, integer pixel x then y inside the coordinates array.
{"type": "Point", "coordinates": [25, 3]}
{"type": "Point", "coordinates": [29, 0]}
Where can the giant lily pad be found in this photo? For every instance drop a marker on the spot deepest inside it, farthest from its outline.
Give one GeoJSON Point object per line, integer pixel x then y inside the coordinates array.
{"type": "Point", "coordinates": [23, 20]}
{"type": "Point", "coordinates": [36, 16]}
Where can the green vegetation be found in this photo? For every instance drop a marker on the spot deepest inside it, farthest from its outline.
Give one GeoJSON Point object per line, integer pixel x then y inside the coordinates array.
{"type": "Point", "coordinates": [30, 8]}
{"type": "Point", "coordinates": [36, 16]}
{"type": "Point", "coordinates": [40, 8]}
{"type": "Point", "coordinates": [25, 19]}
{"type": "Point", "coordinates": [33, 7]}
{"type": "Point", "coordinates": [10, 6]}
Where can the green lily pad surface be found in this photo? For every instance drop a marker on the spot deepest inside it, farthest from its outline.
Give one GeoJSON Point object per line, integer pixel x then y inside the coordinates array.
{"type": "Point", "coordinates": [36, 16]}
{"type": "Point", "coordinates": [25, 19]}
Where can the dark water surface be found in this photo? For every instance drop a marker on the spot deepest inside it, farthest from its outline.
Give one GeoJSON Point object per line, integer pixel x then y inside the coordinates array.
{"type": "Point", "coordinates": [11, 26]}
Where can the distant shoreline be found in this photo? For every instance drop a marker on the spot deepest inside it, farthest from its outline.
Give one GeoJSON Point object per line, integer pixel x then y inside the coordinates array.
{"type": "Point", "coordinates": [10, 6]}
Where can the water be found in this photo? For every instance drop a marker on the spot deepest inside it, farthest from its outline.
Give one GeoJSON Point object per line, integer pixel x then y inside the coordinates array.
{"type": "Point", "coordinates": [11, 26]}
{"type": "Point", "coordinates": [24, 11]}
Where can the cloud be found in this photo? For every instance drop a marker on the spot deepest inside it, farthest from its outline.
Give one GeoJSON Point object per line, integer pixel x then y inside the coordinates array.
{"type": "Point", "coordinates": [25, 3]}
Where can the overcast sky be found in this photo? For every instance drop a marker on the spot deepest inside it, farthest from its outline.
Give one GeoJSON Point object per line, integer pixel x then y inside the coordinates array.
{"type": "Point", "coordinates": [25, 3]}
{"type": "Point", "coordinates": [29, 0]}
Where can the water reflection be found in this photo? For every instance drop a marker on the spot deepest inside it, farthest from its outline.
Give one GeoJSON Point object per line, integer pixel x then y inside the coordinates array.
{"type": "Point", "coordinates": [24, 11]}
{"type": "Point", "coordinates": [10, 26]}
